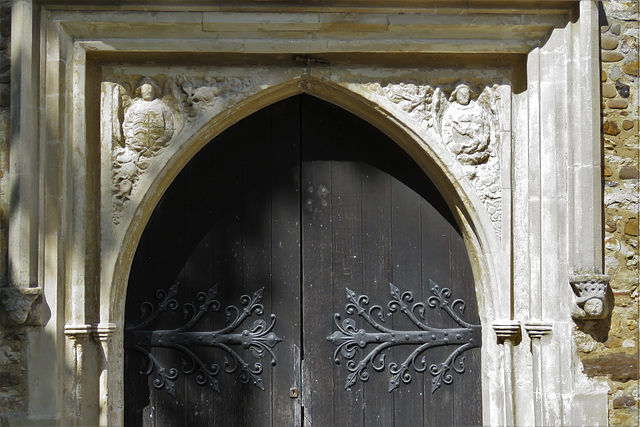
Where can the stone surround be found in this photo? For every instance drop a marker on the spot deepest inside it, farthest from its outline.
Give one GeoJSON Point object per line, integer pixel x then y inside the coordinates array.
{"type": "Point", "coordinates": [508, 228]}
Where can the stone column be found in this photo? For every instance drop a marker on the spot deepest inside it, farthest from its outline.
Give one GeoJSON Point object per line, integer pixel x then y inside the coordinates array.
{"type": "Point", "coordinates": [536, 330]}
{"type": "Point", "coordinates": [78, 335]}
{"type": "Point", "coordinates": [104, 333]}
{"type": "Point", "coordinates": [508, 333]}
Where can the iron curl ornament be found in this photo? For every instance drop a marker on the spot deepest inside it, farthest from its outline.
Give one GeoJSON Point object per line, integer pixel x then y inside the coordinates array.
{"type": "Point", "coordinates": [259, 339]}
{"type": "Point", "coordinates": [349, 339]}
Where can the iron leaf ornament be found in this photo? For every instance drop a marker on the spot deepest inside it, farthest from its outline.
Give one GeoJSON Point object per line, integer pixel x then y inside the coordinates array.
{"type": "Point", "coordinates": [349, 339]}
{"type": "Point", "coordinates": [259, 339]}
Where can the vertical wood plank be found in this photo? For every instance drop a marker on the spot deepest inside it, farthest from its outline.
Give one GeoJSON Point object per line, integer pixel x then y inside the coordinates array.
{"type": "Point", "coordinates": [346, 237]}
{"type": "Point", "coordinates": [376, 237]}
{"type": "Point", "coordinates": [407, 275]}
{"type": "Point", "coordinates": [436, 266]}
{"type": "Point", "coordinates": [228, 404]}
{"type": "Point", "coordinates": [256, 250]}
{"type": "Point", "coordinates": [467, 387]}
{"type": "Point", "coordinates": [286, 259]}
{"type": "Point", "coordinates": [318, 303]}
{"type": "Point", "coordinates": [317, 294]}
{"type": "Point", "coordinates": [169, 269]}
{"type": "Point", "coordinates": [198, 273]}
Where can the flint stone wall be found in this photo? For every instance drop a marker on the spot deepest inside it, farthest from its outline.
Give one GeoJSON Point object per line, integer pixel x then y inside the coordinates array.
{"type": "Point", "coordinates": [610, 349]}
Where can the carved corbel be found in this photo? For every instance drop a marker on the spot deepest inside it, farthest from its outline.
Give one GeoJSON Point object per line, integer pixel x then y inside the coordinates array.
{"type": "Point", "coordinates": [18, 306]}
{"type": "Point", "coordinates": [590, 301]}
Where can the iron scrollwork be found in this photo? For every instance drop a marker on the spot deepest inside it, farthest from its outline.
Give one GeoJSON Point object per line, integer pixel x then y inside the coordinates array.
{"type": "Point", "coordinates": [348, 338]}
{"type": "Point", "coordinates": [259, 339]}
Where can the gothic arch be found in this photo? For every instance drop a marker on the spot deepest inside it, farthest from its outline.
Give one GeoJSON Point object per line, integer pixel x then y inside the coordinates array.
{"type": "Point", "coordinates": [435, 160]}
{"type": "Point", "coordinates": [437, 163]}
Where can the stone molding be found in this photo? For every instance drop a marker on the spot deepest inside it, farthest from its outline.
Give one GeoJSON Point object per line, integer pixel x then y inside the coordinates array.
{"type": "Point", "coordinates": [18, 306]}
{"type": "Point", "coordinates": [77, 332]}
{"type": "Point", "coordinates": [590, 302]}
{"type": "Point", "coordinates": [538, 328]}
{"type": "Point", "coordinates": [100, 331]}
{"type": "Point", "coordinates": [507, 329]}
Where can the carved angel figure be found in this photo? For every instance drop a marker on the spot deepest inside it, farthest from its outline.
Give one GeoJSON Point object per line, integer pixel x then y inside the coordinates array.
{"type": "Point", "coordinates": [466, 127]}
{"type": "Point", "coordinates": [147, 127]}
{"type": "Point", "coordinates": [148, 123]}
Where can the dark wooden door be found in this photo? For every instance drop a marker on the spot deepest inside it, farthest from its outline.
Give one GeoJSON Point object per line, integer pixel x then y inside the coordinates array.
{"type": "Point", "coordinates": [298, 213]}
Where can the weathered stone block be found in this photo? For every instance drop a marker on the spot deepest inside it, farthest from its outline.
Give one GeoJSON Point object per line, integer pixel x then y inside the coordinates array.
{"type": "Point", "coordinates": [632, 68]}
{"type": "Point", "coordinates": [629, 172]}
{"type": "Point", "coordinates": [623, 89]}
{"type": "Point", "coordinates": [609, 43]}
{"type": "Point", "coordinates": [611, 56]}
{"type": "Point", "coordinates": [609, 91]}
{"type": "Point", "coordinates": [617, 366]}
{"type": "Point", "coordinates": [623, 402]}
{"type": "Point", "coordinates": [631, 227]}
{"type": "Point", "coordinates": [8, 379]}
{"type": "Point", "coordinates": [610, 128]}
{"type": "Point", "coordinates": [617, 104]}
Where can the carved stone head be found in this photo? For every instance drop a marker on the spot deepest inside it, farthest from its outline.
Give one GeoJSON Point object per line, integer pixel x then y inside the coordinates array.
{"type": "Point", "coordinates": [147, 92]}
{"type": "Point", "coordinates": [462, 94]}
{"type": "Point", "coordinates": [149, 89]}
{"type": "Point", "coordinates": [591, 302]}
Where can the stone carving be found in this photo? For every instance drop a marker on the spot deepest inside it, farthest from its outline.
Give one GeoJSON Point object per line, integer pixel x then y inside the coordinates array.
{"type": "Point", "coordinates": [147, 127]}
{"type": "Point", "coordinates": [415, 100]}
{"type": "Point", "coordinates": [591, 297]}
{"type": "Point", "coordinates": [18, 305]}
{"type": "Point", "coordinates": [466, 127]}
{"type": "Point", "coordinates": [466, 123]}
{"type": "Point", "coordinates": [196, 95]}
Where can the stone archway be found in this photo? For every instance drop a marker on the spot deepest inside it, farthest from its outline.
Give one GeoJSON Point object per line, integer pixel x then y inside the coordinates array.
{"type": "Point", "coordinates": [302, 199]}
{"type": "Point", "coordinates": [405, 134]}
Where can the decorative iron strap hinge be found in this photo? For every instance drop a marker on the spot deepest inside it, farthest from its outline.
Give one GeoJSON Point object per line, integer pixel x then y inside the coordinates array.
{"type": "Point", "coordinates": [258, 339]}
{"type": "Point", "coordinates": [349, 339]}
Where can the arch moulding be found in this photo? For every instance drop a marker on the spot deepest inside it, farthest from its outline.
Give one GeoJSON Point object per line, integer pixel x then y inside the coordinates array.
{"type": "Point", "coordinates": [521, 179]}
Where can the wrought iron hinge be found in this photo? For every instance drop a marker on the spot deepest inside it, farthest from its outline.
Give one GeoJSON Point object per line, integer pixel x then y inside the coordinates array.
{"type": "Point", "coordinates": [349, 339]}
{"type": "Point", "coordinates": [259, 339]}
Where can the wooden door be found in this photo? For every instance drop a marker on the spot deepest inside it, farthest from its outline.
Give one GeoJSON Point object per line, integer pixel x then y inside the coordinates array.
{"type": "Point", "coordinates": [294, 216]}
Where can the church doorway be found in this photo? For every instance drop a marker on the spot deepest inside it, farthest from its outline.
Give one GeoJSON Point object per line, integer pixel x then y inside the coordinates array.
{"type": "Point", "coordinates": [302, 269]}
